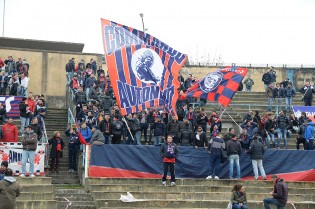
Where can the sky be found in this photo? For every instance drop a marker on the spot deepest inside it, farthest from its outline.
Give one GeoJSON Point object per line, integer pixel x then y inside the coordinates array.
{"type": "Point", "coordinates": [231, 31]}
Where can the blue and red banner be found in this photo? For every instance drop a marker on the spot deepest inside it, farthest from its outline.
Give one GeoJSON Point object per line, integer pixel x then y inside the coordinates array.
{"type": "Point", "coordinates": [218, 86]}
{"type": "Point", "coordinates": [309, 110]}
{"type": "Point", "coordinates": [143, 70]}
{"type": "Point", "coordinates": [127, 161]}
{"type": "Point", "coordinates": [11, 104]}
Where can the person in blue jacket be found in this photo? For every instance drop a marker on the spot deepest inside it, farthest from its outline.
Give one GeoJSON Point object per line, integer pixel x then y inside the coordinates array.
{"type": "Point", "coordinates": [309, 135]}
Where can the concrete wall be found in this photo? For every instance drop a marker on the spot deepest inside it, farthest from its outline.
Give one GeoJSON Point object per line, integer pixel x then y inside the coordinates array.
{"type": "Point", "coordinates": [298, 75]}
{"type": "Point", "coordinates": [47, 71]}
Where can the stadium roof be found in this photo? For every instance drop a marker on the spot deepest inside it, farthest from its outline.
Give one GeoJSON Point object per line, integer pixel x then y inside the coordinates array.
{"type": "Point", "coordinates": [7, 42]}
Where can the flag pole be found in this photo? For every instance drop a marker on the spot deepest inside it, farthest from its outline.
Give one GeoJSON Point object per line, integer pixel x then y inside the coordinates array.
{"type": "Point", "coordinates": [232, 118]}
{"type": "Point", "coordinates": [124, 120]}
{"type": "Point", "coordinates": [224, 109]}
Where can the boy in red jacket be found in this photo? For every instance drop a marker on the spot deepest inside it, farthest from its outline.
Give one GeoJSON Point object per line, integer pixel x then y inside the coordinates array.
{"type": "Point", "coordinates": [10, 132]}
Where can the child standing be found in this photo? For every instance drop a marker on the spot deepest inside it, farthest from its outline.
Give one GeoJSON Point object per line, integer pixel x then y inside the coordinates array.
{"type": "Point", "coordinates": [169, 152]}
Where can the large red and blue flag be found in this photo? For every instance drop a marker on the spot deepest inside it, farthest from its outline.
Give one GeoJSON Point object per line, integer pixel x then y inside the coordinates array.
{"type": "Point", "coordinates": [142, 69]}
{"type": "Point", "coordinates": [218, 86]}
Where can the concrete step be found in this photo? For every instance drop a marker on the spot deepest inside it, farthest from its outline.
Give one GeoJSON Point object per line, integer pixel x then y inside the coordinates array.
{"type": "Point", "coordinates": [36, 204]}
{"type": "Point", "coordinates": [76, 205]}
{"type": "Point", "coordinates": [36, 180]}
{"type": "Point", "coordinates": [36, 196]}
{"type": "Point", "coordinates": [38, 188]}
{"type": "Point", "coordinates": [61, 180]}
{"type": "Point", "coordinates": [196, 196]}
{"type": "Point", "coordinates": [187, 204]}
{"type": "Point", "coordinates": [74, 198]}
{"type": "Point", "coordinates": [186, 188]}
{"type": "Point", "coordinates": [195, 182]}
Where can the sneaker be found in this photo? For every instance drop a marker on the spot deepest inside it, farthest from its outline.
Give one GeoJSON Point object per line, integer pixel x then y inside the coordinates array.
{"type": "Point", "coordinates": [209, 177]}
{"type": "Point", "coordinates": [32, 176]}
{"type": "Point", "coordinates": [264, 178]}
{"type": "Point", "coordinates": [70, 170]}
{"type": "Point", "coordinates": [164, 183]}
{"type": "Point", "coordinates": [22, 175]}
{"type": "Point", "coordinates": [172, 183]}
{"type": "Point", "coordinates": [216, 177]}
{"type": "Point", "coordinates": [73, 171]}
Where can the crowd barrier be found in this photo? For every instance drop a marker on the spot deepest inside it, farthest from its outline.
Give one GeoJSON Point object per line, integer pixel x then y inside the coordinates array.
{"type": "Point", "coordinates": [12, 152]}
{"type": "Point", "coordinates": [133, 161]}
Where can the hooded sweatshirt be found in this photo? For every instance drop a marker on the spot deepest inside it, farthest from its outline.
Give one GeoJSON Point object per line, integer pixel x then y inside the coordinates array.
{"type": "Point", "coordinates": [309, 131]}
{"type": "Point", "coordinates": [9, 190]}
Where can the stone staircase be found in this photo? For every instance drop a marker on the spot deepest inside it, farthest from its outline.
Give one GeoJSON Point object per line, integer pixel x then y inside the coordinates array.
{"type": "Point", "coordinates": [36, 193]}
{"type": "Point", "coordinates": [191, 193]}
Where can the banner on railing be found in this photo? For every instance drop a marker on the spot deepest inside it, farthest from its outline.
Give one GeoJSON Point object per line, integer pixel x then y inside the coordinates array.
{"type": "Point", "coordinates": [11, 104]}
{"type": "Point", "coordinates": [12, 152]}
{"type": "Point", "coordinates": [309, 110]}
{"type": "Point", "coordinates": [123, 161]}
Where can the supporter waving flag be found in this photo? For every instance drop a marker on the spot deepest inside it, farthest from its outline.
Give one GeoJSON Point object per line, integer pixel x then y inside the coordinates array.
{"type": "Point", "coordinates": [218, 86]}
{"type": "Point", "coordinates": [143, 70]}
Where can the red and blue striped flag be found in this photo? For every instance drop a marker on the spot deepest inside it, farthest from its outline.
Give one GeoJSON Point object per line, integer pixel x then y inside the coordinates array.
{"type": "Point", "coordinates": [142, 69]}
{"type": "Point", "coordinates": [218, 86]}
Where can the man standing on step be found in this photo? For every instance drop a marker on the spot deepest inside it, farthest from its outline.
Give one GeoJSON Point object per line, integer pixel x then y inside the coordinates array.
{"type": "Point", "coordinates": [256, 151]}
{"type": "Point", "coordinates": [234, 150]}
{"type": "Point", "coordinates": [29, 142]}
{"type": "Point", "coordinates": [216, 144]}
{"type": "Point", "coordinates": [279, 194]}
{"type": "Point", "coordinates": [169, 152]}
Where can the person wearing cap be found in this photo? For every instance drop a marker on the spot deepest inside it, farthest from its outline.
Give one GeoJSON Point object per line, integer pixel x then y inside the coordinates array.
{"type": "Point", "coordinates": [3, 168]}
{"type": "Point", "coordinates": [279, 194]}
{"type": "Point", "coordinates": [234, 150]}
{"type": "Point", "coordinates": [10, 131]}
{"type": "Point", "coordinates": [9, 190]}
{"type": "Point", "coordinates": [97, 137]}
{"type": "Point", "coordinates": [29, 142]}
{"type": "Point", "coordinates": [41, 122]}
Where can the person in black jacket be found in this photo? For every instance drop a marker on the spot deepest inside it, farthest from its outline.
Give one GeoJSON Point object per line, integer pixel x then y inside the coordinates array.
{"type": "Point", "coordinates": [117, 128]}
{"type": "Point", "coordinates": [159, 131]}
{"type": "Point", "coordinates": [186, 135]}
{"type": "Point", "coordinates": [278, 94]}
{"type": "Point", "coordinates": [105, 128]}
{"type": "Point", "coordinates": [266, 78]}
{"type": "Point", "coordinates": [269, 127]}
{"type": "Point", "coordinates": [24, 114]}
{"type": "Point", "coordinates": [282, 124]}
{"type": "Point", "coordinates": [173, 129]}
{"type": "Point", "coordinates": [234, 150]}
{"type": "Point", "coordinates": [256, 151]}
{"type": "Point", "coordinates": [307, 90]}
{"type": "Point", "coordinates": [279, 194]}
{"type": "Point", "coordinates": [57, 146]}
{"type": "Point", "coordinates": [202, 120]}
{"type": "Point", "coordinates": [199, 138]}
{"type": "Point", "coordinates": [289, 93]}
{"type": "Point", "coordinates": [3, 113]}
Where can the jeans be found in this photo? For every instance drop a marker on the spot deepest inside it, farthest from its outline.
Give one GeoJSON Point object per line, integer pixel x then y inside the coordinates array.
{"type": "Point", "coordinates": [258, 164]}
{"type": "Point", "coordinates": [235, 159]}
{"type": "Point", "coordinates": [72, 158]}
{"type": "Point", "coordinates": [270, 101]}
{"type": "Point", "coordinates": [172, 171]}
{"type": "Point", "coordinates": [157, 140]}
{"type": "Point", "coordinates": [144, 129]}
{"type": "Point", "coordinates": [278, 103]}
{"type": "Point", "coordinates": [28, 155]}
{"type": "Point", "coordinates": [137, 136]}
{"type": "Point", "coordinates": [308, 102]}
{"type": "Point", "coordinates": [288, 103]}
{"type": "Point", "coordinates": [237, 206]}
{"type": "Point", "coordinates": [249, 88]}
{"type": "Point", "coordinates": [270, 136]}
{"type": "Point", "coordinates": [282, 133]}
{"type": "Point", "coordinates": [272, 201]}
{"type": "Point", "coordinates": [23, 91]}
{"type": "Point", "coordinates": [107, 139]}
{"type": "Point", "coordinates": [24, 122]}
{"type": "Point", "coordinates": [215, 160]}
{"type": "Point", "coordinates": [309, 144]}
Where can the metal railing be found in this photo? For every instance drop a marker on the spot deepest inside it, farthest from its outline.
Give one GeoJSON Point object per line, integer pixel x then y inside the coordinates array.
{"type": "Point", "coordinates": [210, 64]}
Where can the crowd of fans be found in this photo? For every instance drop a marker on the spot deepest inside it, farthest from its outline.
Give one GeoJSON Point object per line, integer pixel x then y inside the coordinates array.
{"type": "Point", "coordinates": [14, 81]}
{"type": "Point", "coordinates": [96, 107]}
